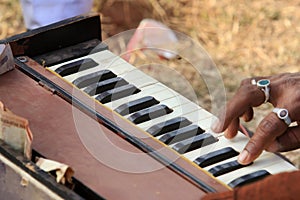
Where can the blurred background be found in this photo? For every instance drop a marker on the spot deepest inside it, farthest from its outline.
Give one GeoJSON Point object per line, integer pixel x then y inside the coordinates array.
{"type": "Point", "coordinates": [244, 38]}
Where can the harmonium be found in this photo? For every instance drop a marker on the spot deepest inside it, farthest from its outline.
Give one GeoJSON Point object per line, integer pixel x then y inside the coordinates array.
{"type": "Point", "coordinates": [125, 134]}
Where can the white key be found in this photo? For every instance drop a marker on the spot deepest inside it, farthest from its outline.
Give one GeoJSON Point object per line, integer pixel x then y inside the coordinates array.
{"type": "Point", "coordinates": [139, 81]}
{"type": "Point", "coordinates": [109, 59]}
{"type": "Point", "coordinates": [187, 110]}
{"type": "Point", "coordinates": [160, 96]}
{"type": "Point", "coordinates": [138, 78]}
{"type": "Point", "coordinates": [267, 161]}
{"type": "Point", "coordinates": [166, 98]}
{"type": "Point", "coordinates": [236, 143]}
{"type": "Point", "coordinates": [149, 90]}
{"type": "Point", "coordinates": [105, 60]}
{"type": "Point", "coordinates": [220, 163]}
{"type": "Point", "coordinates": [116, 69]}
{"type": "Point", "coordinates": [206, 123]}
{"type": "Point", "coordinates": [281, 166]}
{"type": "Point", "coordinates": [102, 57]}
{"type": "Point", "coordinates": [176, 113]}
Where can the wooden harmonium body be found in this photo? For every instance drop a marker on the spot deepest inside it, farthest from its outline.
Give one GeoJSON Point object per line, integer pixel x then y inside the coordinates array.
{"type": "Point", "coordinates": [125, 134]}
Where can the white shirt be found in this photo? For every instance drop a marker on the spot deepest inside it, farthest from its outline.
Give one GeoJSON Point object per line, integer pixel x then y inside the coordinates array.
{"type": "Point", "coordinates": [39, 13]}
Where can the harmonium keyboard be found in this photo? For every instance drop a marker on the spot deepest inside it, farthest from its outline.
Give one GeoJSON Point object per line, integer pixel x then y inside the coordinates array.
{"type": "Point", "coordinates": [125, 134]}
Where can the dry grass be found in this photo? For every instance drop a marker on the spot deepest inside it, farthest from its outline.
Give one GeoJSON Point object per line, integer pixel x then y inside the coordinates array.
{"type": "Point", "coordinates": [244, 38]}
{"type": "Point", "coordinates": [10, 18]}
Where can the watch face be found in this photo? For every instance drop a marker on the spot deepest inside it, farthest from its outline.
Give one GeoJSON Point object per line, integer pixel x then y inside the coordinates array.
{"type": "Point", "coordinates": [263, 82]}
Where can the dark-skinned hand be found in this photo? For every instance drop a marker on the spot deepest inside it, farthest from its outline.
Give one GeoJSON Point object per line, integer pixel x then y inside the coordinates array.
{"type": "Point", "coordinates": [272, 134]}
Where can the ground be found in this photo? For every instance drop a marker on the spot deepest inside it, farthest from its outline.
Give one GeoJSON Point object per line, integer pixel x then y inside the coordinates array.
{"type": "Point", "coordinates": [243, 38]}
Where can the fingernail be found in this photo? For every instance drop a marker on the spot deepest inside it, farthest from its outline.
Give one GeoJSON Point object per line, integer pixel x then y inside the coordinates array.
{"type": "Point", "coordinates": [227, 134]}
{"type": "Point", "coordinates": [244, 117]}
{"type": "Point", "coordinates": [243, 157]}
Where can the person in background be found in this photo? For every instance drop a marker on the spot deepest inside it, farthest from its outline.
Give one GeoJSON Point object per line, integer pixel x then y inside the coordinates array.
{"type": "Point", "coordinates": [39, 13]}
{"type": "Point", "coordinates": [278, 131]}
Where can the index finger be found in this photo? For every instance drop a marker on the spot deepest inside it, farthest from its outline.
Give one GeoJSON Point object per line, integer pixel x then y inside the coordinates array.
{"type": "Point", "coordinates": [247, 96]}
{"type": "Point", "coordinates": [267, 131]}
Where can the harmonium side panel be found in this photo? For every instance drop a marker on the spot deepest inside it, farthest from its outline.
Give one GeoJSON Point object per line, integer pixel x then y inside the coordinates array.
{"type": "Point", "coordinates": [56, 137]}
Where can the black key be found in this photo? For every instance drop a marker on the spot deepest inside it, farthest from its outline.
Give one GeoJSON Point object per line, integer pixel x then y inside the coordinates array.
{"type": "Point", "coordinates": [95, 77]}
{"type": "Point", "coordinates": [74, 67]}
{"type": "Point", "coordinates": [181, 134]}
{"type": "Point", "coordinates": [215, 157]}
{"type": "Point", "coordinates": [167, 126]}
{"type": "Point", "coordinates": [136, 105]}
{"type": "Point", "coordinates": [117, 93]}
{"type": "Point", "coordinates": [249, 178]}
{"type": "Point", "coordinates": [194, 143]}
{"type": "Point", "coordinates": [105, 85]}
{"type": "Point", "coordinates": [226, 168]}
{"type": "Point", "coordinates": [149, 113]}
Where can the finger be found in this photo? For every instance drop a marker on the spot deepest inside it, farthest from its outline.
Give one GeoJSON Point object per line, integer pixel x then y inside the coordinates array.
{"type": "Point", "coordinates": [270, 128]}
{"type": "Point", "coordinates": [288, 141]}
{"type": "Point", "coordinates": [246, 97]}
{"type": "Point", "coordinates": [232, 129]}
{"type": "Point", "coordinates": [248, 115]}
{"type": "Point", "coordinates": [284, 87]}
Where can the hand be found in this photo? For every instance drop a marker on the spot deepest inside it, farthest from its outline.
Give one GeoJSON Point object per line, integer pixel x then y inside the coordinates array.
{"type": "Point", "coordinates": [272, 133]}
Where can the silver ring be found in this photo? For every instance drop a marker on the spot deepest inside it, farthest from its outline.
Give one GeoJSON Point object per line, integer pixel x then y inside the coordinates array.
{"type": "Point", "coordinates": [283, 114]}
{"type": "Point", "coordinates": [263, 85]}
